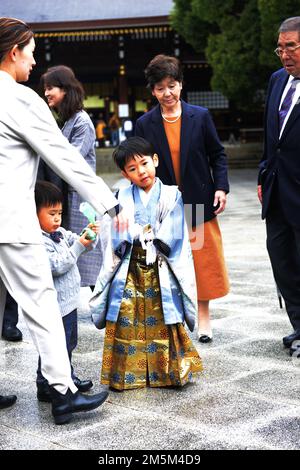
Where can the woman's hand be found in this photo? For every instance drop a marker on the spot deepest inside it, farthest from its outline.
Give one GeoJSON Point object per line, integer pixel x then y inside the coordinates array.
{"type": "Point", "coordinates": [220, 198]}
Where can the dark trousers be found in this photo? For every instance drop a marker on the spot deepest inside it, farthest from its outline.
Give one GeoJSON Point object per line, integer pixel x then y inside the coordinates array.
{"type": "Point", "coordinates": [71, 331]}
{"type": "Point", "coordinates": [283, 244]}
{"type": "Point", "coordinates": [11, 316]}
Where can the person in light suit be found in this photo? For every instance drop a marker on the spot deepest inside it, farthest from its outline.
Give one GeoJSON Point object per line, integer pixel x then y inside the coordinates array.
{"type": "Point", "coordinates": [28, 129]}
{"type": "Point", "coordinates": [279, 175]}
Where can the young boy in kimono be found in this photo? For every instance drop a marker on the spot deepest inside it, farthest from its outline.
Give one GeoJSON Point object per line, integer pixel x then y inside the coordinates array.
{"type": "Point", "coordinates": [146, 288]}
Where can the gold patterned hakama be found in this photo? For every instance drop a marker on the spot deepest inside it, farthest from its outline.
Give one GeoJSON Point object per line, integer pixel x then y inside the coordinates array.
{"type": "Point", "coordinates": [139, 349]}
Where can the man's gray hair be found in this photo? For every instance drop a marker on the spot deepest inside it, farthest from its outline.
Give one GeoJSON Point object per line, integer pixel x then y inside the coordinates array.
{"type": "Point", "coordinates": [290, 24]}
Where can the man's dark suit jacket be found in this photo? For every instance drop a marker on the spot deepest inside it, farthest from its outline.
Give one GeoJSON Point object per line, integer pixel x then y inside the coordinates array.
{"type": "Point", "coordinates": [203, 163]}
{"type": "Point", "coordinates": [281, 157]}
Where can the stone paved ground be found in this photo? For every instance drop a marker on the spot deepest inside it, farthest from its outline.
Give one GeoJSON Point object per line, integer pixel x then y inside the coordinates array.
{"type": "Point", "coordinates": [246, 398]}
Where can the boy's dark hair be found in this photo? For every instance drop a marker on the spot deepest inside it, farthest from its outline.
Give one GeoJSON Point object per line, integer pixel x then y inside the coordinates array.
{"type": "Point", "coordinates": [131, 147]}
{"type": "Point", "coordinates": [47, 195]}
{"type": "Point", "coordinates": [163, 66]}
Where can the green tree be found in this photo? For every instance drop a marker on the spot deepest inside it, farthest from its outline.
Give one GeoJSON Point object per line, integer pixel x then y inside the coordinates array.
{"type": "Point", "coordinates": [238, 38]}
{"type": "Point", "coordinates": [190, 25]}
{"type": "Point", "coordinates": [233, 55]}
{"type": "Point", "coordinates": [228, 33]}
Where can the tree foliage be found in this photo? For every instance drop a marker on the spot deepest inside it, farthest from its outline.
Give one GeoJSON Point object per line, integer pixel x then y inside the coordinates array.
{"type": "Point", "coordinates": [190, 25]}
{"type": "Point", "coordinates": [238, 38]}
{"type": "Point", "coordinates": [272, 13]}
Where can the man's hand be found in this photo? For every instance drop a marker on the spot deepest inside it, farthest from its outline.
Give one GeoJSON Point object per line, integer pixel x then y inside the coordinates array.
{"type": "Point", "coordinates": [121, 221]}
{"type": "Point", "coordinates": [259, 193]}
{"type": "Point", "coordinates": [220, 198]}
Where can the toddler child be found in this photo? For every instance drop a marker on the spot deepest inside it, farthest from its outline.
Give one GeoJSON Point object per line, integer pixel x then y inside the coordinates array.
{"type": "Point", "coordinates": [64, 248]}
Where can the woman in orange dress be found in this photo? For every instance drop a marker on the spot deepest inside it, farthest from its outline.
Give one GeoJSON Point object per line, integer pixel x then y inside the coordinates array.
{"type": "Point", "coordinates": [192, 157]}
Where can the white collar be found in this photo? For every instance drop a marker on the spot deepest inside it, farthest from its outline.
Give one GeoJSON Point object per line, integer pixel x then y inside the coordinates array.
{"type": "Point", "coordinates": [6, 75]}
{"type": "Point", "coordinates": [146, 196]}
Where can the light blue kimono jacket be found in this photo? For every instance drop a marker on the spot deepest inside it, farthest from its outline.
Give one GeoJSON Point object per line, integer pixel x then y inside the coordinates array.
{"type": "Point", "coordinates": [174, 257]}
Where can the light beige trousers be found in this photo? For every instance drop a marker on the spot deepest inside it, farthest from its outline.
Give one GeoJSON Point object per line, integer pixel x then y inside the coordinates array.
{"type": "Point", "coordinates": [25, 273]}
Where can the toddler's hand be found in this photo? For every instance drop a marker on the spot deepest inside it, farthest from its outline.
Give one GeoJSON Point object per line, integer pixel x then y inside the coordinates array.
{"type": "Point", "coordinates": [95, 227]}
{"type": "Point", "coordinates": [84, 240]}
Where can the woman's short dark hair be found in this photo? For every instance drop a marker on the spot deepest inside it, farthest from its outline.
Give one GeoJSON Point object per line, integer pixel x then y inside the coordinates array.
{"type": "Point", "coordinates": [47, 195]}
{"type": "Point", "coordinates": [131, 147]}
{"type": "Point", "coordinates": [12, 32]}
{"type": "Point", "coordinates": [63, 77]}
{"type": "Point", "coordinates": [161, 67]}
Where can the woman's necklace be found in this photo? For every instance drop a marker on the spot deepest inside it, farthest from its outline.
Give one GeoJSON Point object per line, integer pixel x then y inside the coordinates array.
{"type": "Point", "coordinates": [175, 120]}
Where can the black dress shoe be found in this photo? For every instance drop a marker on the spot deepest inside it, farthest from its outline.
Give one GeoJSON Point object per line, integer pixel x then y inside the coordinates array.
{"type": "Point", "coordinates": [6, 401]}
{"type": "Point", "coordinates": [288, 340]}
{"type": "Point", "coordinates": [64, 405]}
{"type": "Point", "coordinates": [295, 350]}
{"type": "Point", "coordinates": [205, 339]}
{"type": "Point", "coordinates": [83, 385]}
{"type": "Point", "coordinates": [12, 333]}
{"type": "Point", "coordinates": [43, 392]}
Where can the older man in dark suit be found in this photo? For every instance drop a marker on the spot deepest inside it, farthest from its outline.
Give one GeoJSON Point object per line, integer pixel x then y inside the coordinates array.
{"type": "Point", "coordinates": [279, 176]}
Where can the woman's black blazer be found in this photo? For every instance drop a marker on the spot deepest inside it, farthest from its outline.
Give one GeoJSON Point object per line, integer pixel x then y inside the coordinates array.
{"type": "Point", "coordinates": [203, 162]}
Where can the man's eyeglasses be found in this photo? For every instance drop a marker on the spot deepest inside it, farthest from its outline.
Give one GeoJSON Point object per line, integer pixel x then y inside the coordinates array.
{"type": "Point", "coordinates": [289, 50]}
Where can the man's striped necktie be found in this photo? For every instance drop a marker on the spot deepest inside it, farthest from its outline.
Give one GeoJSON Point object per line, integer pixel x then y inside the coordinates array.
{"type": "Point", "coordinates": [286, 104]}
